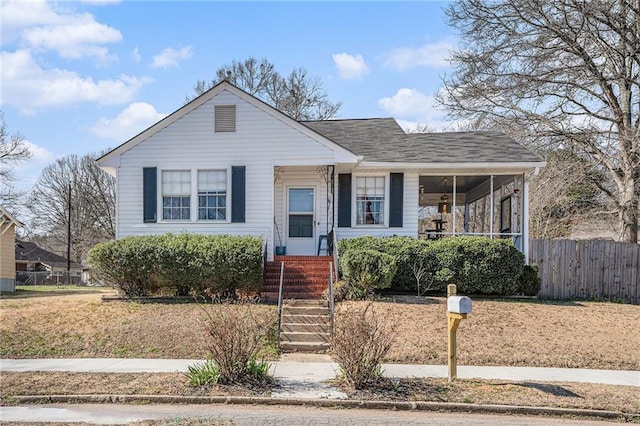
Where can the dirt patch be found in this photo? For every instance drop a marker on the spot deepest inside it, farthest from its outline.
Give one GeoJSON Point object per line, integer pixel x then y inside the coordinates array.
{"type": "Point", "coordinates": [53, 383]}
{"type": "Point", "coordinates": [498, 332]}
{"type": "Point", "coordinates": [561, 395]}
{"type": "Point", "coordinates": [533, 394]}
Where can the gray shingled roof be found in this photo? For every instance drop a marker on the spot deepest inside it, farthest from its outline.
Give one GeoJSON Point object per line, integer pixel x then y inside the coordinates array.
{"type": "Point", "coordinates": [383, 140]}
{"type": "Point", "coordinates": [30, 252]}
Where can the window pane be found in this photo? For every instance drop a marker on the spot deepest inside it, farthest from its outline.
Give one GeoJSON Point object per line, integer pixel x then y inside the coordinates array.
{"type": "Point", "coordinates": [370, 200]}
{"type": "Point", "coordinates": [301, 225]}
{"type": "Point", "coordinates": [176, 182]}
{"type": "Point", "coordinates": [212, 194]}
{"type": "Point", "coordinates": [301, 200]}
{"type": "Point", "coordinates": [212, 180]}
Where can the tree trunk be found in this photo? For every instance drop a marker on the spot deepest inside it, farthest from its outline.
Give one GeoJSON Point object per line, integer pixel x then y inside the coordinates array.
{"type": "Point", "coordinates": [629, 208]}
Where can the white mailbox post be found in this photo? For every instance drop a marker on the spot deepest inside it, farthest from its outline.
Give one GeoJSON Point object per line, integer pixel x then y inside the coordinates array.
{"type": "Point", "coordinates": [458, 307]}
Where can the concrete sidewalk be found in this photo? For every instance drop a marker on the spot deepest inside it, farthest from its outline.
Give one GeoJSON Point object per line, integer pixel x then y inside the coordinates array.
{"type": "Point", "coordinates": [318, 368]}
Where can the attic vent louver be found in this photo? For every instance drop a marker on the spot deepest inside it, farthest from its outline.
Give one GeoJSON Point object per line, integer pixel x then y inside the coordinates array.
{"type": "Point", "coordinates": [225, 118]}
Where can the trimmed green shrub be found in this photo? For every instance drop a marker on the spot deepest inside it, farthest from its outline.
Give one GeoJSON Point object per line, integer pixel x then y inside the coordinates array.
{"type": "Point", "coordinates": [401, 248]}
{"type": "Point", "coordinates": [128, 264]}
{"type": "Point", "coordinates": [529, 282]}
{"type": "Point", "coordinates": [477, 265]}
{"type": "Point", "coordinates": [481, 265]}
{"type": "Point", "coordinates": [368, 270]}
{"type": "Point", "coordinates": [182, 264]}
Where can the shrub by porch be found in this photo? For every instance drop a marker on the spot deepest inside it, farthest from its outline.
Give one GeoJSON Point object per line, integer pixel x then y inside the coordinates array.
{"type": "Point", "coordinates": [477, 265]}
{"type": "Point", "coordinates": [184, 264]}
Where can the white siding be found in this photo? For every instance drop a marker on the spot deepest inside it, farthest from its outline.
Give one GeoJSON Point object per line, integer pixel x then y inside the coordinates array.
{"type": "Point", "coordinates": [410, 213]}
{"type": "Point", "coordinates": [260, 142]}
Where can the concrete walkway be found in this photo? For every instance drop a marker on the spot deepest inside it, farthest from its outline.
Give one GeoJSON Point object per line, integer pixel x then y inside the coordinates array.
{"type": "Point", "coordinates": [294, 368]}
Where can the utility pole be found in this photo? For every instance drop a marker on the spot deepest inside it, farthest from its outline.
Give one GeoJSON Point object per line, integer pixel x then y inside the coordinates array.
{"type": "Point", "coordinates": [69, 231]}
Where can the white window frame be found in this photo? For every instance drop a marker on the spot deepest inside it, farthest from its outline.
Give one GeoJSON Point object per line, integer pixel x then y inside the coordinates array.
{"type": "Point", "coordinates": [193, 195]}
{"type": "Point", "coordinates": [227, 215]}
{"type": "Point", "coordinates": [354, 202]}
{"type": "Point", "coordinates": [161, 195]}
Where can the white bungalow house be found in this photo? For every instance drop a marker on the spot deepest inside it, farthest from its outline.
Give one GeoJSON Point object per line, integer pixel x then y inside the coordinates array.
{"type": "Point", "coordinates": [227, 163]}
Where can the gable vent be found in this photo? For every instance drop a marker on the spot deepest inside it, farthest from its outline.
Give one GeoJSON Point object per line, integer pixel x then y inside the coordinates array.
{"type": "Point", "coordinates": [225, 118]}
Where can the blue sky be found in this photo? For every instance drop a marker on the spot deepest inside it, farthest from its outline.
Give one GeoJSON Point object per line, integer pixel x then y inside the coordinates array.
{"type": "Point", "coordinates": [79, 77]}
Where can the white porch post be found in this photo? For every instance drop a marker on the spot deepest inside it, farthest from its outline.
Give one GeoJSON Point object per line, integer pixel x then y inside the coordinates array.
{"type": "Point", "coordinates": [453, 210]}
{"type": "Point", "coordinates": [525, 219]}
{"type": "Point", "coordinates": [491, 209]}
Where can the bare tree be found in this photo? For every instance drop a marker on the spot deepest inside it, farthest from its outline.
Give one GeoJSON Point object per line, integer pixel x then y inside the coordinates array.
{"type": "Point", "coordinates": [77, 181]}
{"type": "Point", "coordinates": [299, 96]}
{"type": "Point", "coordinates": [555, 208]}
{"type": "Point", "coordinates": [556, 74]}
{"type": "Point", "coordinates": [13, 150]}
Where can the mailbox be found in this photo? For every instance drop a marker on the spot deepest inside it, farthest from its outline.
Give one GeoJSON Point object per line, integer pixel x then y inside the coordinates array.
{"type": "Point", "coordinates": [459, 304]}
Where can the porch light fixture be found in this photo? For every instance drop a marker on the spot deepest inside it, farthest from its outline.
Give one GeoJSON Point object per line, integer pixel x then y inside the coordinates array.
{"type": "Point", "coordinates": [421, 193]}
{"type": "Point", "coordinates": [444, 206]}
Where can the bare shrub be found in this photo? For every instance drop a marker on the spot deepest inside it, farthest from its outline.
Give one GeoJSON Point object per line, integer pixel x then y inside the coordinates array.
{"type": "Point", "coordinates": [361, 340]}
{"type": "Point", "coordinates": [237, 336]}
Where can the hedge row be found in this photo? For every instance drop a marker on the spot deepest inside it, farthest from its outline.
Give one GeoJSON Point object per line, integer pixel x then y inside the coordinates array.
{"type": "Point", "coordinates": [183, 264]}
{"type": "Point", "coordinates": [476, 265]}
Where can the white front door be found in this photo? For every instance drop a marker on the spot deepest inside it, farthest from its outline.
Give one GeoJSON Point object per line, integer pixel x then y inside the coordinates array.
{"type": "Point", "coordinates": [301, 221]}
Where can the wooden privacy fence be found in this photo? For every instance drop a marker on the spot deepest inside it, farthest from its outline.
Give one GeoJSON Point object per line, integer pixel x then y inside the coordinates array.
{"type": "Point", "coordinates": [587, 269]}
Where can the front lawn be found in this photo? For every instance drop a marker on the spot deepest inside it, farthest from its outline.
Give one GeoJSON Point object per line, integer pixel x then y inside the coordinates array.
{"type": "Point", "coordinates": [522, 333]}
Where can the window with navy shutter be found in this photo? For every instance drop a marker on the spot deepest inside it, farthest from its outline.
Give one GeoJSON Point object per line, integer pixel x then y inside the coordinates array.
{"type": "Point", "coordinates": [238, 193]}
{"type": "Point", "coordinates": [149, 194]}
{"type": "Point", "coordinates": [396, 199]}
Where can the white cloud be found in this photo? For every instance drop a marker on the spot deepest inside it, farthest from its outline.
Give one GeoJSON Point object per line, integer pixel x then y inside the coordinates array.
{"type": "Point", "coordinates": [28, 86]}
{"type": "Point", "coordinates": [171, 57]}
{"type": "Point", "coordinates": [39, 154]}
{"type": "Point", "coordinates": [411, 108]}
{"type": "Point", "coordinates": [101, 2]}
{"type": "Point", "coordinates": [350, 67]}
{"type": "Point", "coordinates": [429, 55]}
{"type": "Point", "coordinates": [407, 102]}
{"type": "Point", "coordinates": [135, 56]}
{"type": "Point", "coordinates": [72, 35]}
{"type": "Point", "coordinates": [131, 121]}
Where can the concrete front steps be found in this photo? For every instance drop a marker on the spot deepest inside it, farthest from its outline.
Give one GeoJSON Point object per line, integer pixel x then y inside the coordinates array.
{"type": "Point", "coordinates": [305, 277]}
{"type": "Point", "coordinates": [305, 326]}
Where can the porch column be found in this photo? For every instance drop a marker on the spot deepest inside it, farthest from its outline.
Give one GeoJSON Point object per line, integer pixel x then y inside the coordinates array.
{"type": "Point", "coordinates": [525, 219]}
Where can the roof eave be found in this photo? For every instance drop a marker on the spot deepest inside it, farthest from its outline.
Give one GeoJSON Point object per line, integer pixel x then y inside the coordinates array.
{"type": "Point", "coordinates": [523, 166]}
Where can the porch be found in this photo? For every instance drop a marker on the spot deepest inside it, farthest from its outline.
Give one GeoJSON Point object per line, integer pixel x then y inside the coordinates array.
{"type": "Point", "coordinates": [306, 201]}
{"type": "Point", "coordinates": [493, 206]}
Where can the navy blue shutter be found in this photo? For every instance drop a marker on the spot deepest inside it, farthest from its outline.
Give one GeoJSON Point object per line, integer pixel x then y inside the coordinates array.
{"type": "Point", "coordinates": [396, 199]}
{"type": "Point", "coordinates": [238, 193]}
{"type": "Point", "coordinates": [344, 200]}
{"type": "Point", "coordinates": [149, 194]}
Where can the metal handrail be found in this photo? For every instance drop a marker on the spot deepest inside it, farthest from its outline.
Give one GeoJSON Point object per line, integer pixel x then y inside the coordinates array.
{"type": "Point", "coordinates": [335, 253]}
{"type": "Point", "coordinates": [265, 241]}
{"type": "Point", "coordinates": [280, 298]}
{"type": "Point", "coordinates": [331, 298]}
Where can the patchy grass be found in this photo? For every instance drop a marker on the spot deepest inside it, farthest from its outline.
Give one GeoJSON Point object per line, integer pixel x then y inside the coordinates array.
{"type": "Point", "coordinates": [561, 395]}
{"type": "Point", "coordinates": [519, 333]}
{"type": "Point", "coordinates": [498, 332]}
{"type": "Point", "coordinates": [534, 394]}
{"type": "Point", "coordinates": [83, 326]}
{"type": "Point", "coordinates": [23, 291]}
{"type": "Point", "coordinates": [58, 383]}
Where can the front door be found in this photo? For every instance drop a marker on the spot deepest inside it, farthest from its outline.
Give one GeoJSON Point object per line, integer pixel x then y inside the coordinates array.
{"type": "Point", "coordinates": [301, 221]}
